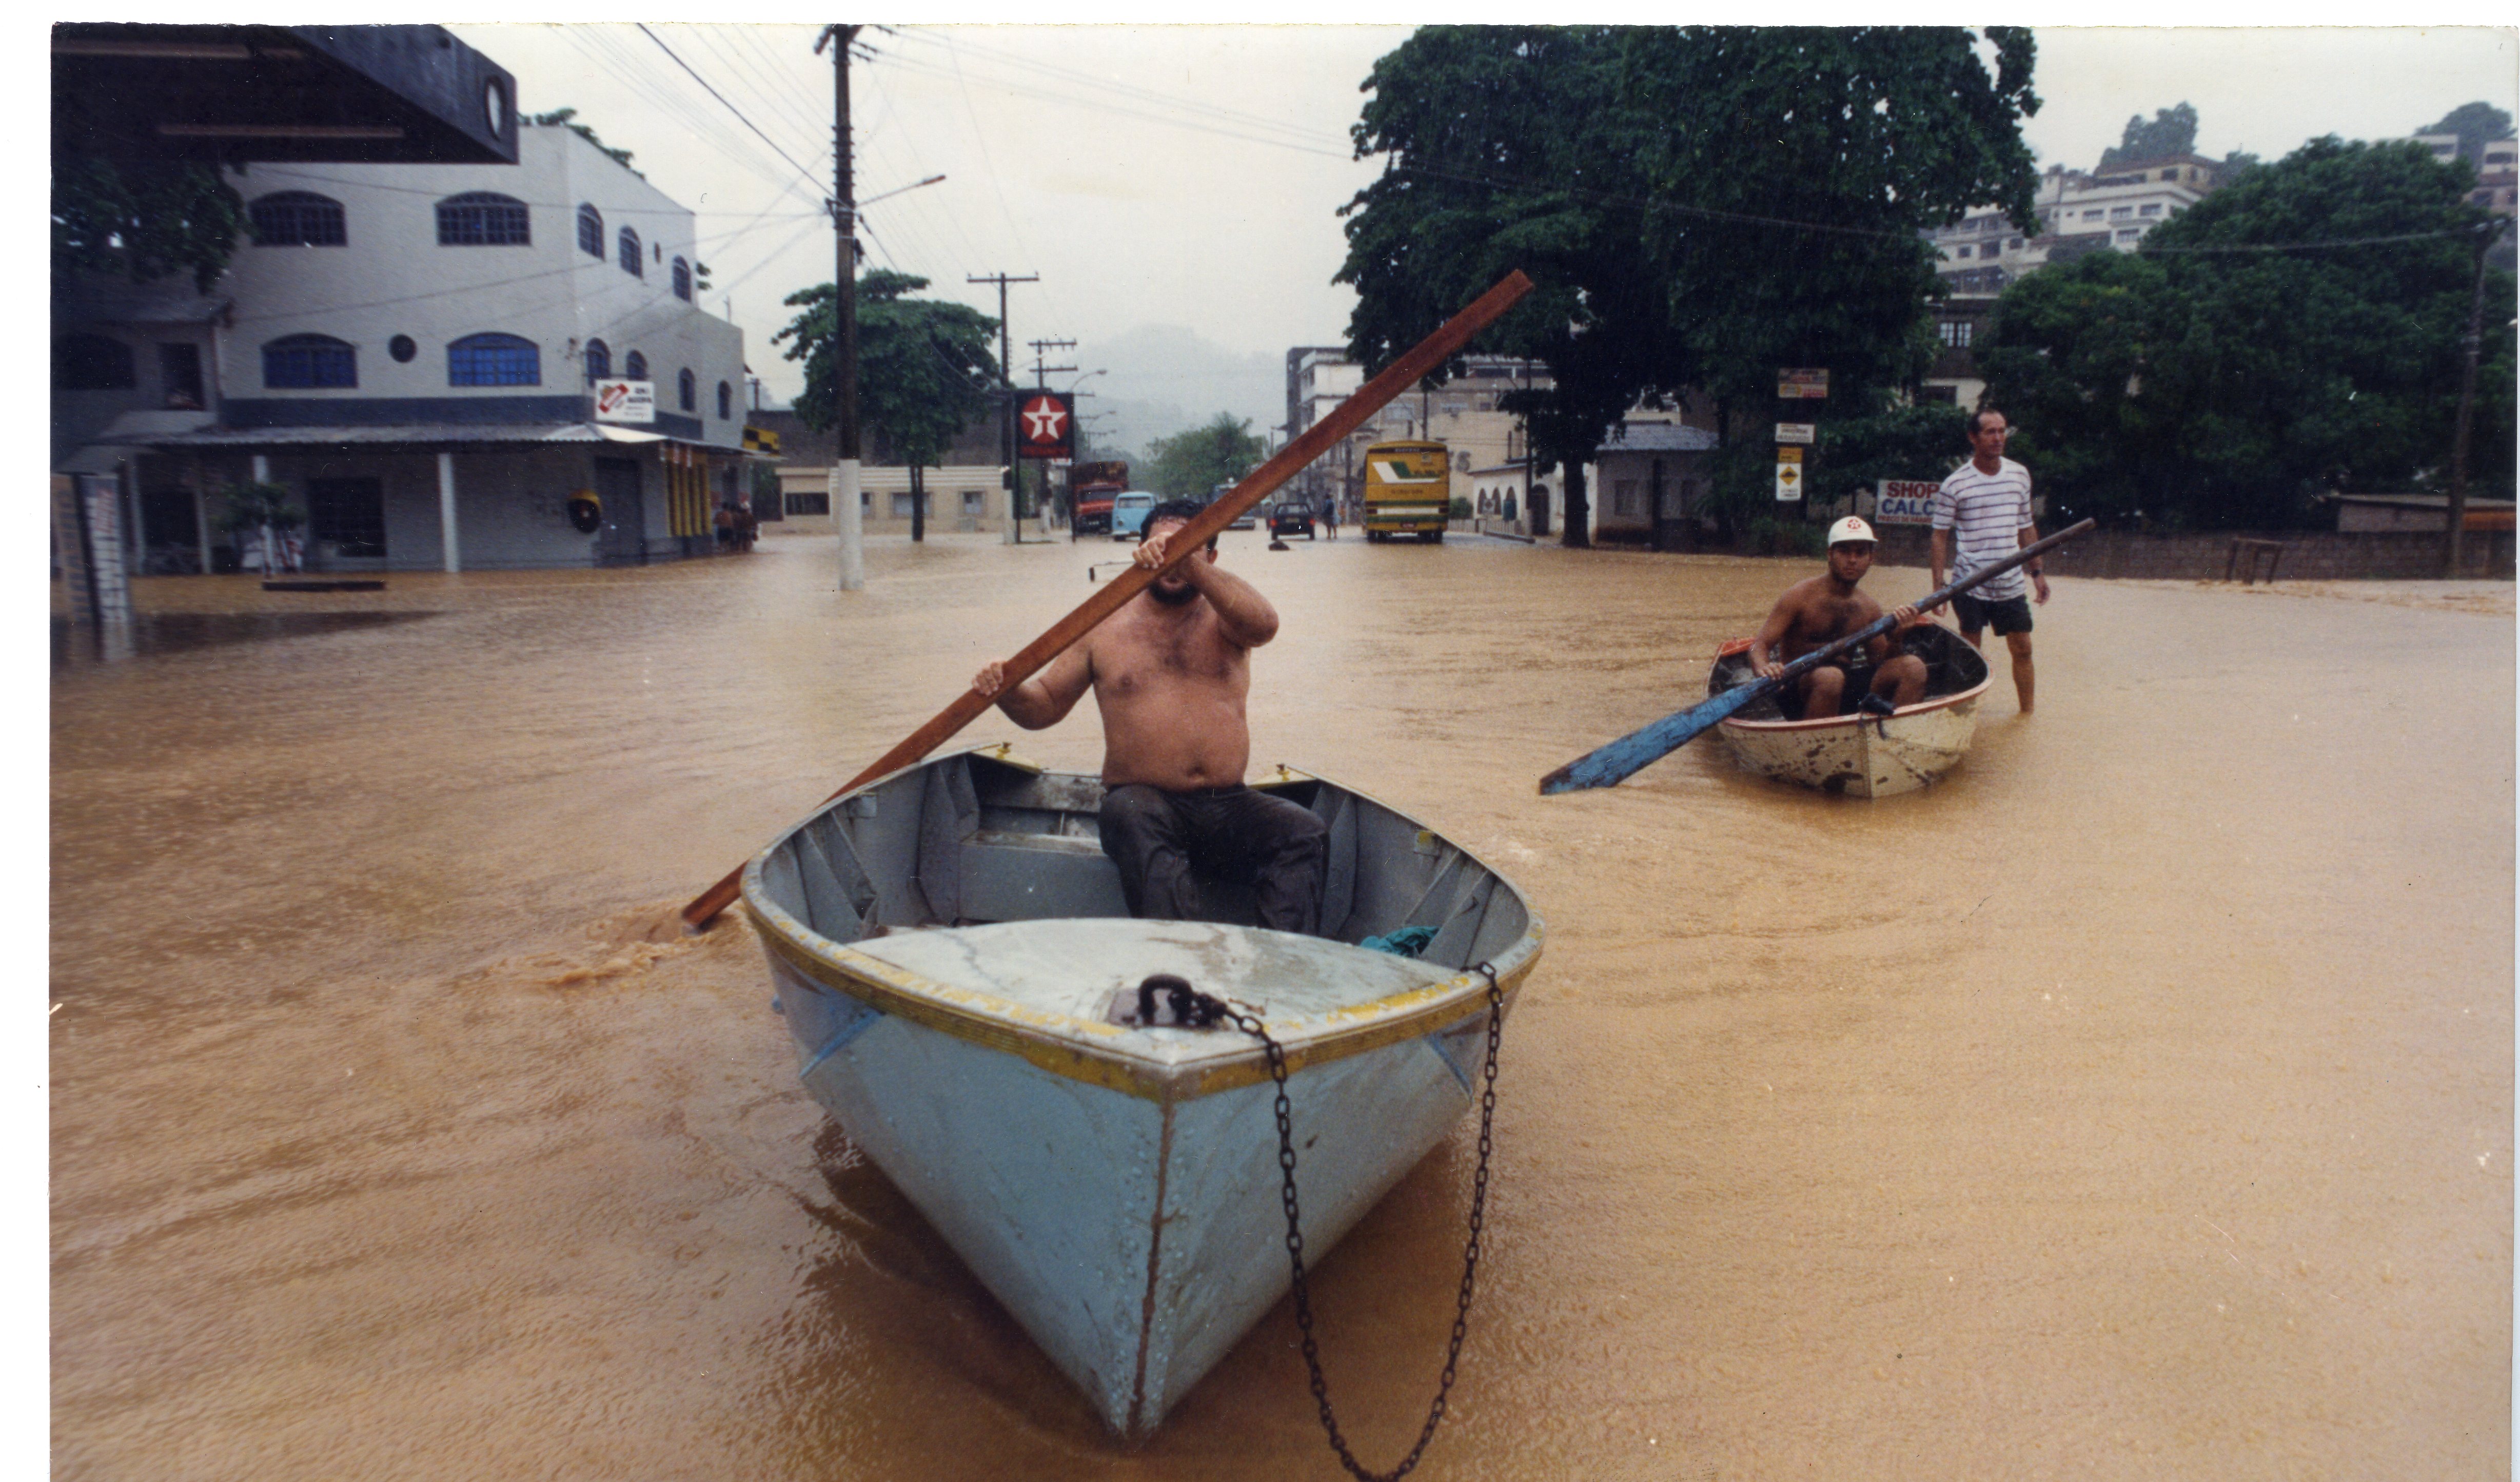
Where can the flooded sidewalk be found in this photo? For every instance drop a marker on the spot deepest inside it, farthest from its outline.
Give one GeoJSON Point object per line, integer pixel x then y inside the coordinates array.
{"type": "Point", "coordinates": [2134, 1103]}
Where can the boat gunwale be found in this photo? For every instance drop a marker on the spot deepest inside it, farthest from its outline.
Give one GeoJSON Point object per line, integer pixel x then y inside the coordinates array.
{"type": "Point", "coordinates": [1858, 719]}
{"type": "Point", "coordinates": [1098, 1053]}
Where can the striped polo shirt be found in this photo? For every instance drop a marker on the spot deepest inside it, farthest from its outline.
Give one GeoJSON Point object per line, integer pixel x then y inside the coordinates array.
{"type": "Point", "coordinates": [1986, 513]}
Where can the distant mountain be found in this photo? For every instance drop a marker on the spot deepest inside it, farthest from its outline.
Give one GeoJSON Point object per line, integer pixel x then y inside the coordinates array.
{"type": "Point", "coordinates": [1160, 379]}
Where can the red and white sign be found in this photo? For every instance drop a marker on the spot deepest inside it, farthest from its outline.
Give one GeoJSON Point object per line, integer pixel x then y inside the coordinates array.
{"type": "Point", "coordinates": [1046, 426]}
{"type": "Point", "coordinates": [1904, 502]}
{"type": "Point", "coordinates": [625, 401]}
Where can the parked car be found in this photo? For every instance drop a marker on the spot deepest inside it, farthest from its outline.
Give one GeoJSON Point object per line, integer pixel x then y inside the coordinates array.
{"type": "Point", "coordinates": [1291, 519]}
{"type": "Point", "coordinates": [1129, 510]}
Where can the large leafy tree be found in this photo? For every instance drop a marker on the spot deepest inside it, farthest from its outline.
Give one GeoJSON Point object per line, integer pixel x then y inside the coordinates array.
{"type": "Point", "coordinates": [1509, 148]}
{"type": "Point", "coordinates": [141, 219]}
{"type": "Point", "coordinates": [2296, 331]}
{"type": "Point", "coordinates": [2172, 131]}
{"type": "Point", "coordinates": [1697, 207]}
{"type": "Point", "coordinates": [926, 369]}
{"type": "Point", "coordinates": [1190, 465]}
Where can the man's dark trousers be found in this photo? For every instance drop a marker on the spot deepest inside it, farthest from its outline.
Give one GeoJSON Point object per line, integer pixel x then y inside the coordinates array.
{"type": "Point", "coordinates": [1154, 836]}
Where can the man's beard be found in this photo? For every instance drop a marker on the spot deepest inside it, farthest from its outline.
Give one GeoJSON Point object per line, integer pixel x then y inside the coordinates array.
{"type": "Point", "coordinates": [1171, 596]}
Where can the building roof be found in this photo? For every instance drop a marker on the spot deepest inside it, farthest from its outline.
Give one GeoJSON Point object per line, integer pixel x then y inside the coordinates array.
{"type": "Point", "coordinates": [1657, 438]}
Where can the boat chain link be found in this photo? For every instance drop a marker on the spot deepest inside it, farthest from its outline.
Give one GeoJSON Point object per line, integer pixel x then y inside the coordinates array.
{"type": "Point", "coordinates": [1249, 1023]}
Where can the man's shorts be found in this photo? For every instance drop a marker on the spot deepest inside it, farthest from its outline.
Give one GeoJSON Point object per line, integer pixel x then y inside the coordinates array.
{"type": "Point", "coordinates": [2008, 616]}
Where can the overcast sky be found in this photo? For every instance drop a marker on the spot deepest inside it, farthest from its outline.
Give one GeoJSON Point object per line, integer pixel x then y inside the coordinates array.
{"type": "Point", "coordinates": [1191, 175]}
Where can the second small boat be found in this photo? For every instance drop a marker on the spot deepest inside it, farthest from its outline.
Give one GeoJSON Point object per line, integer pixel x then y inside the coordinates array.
{"type": "Point", "coordinates": [1860, 755]}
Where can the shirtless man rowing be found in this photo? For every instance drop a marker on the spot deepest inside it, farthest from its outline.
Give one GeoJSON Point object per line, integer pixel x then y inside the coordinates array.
{"type": "Point", "coordinates": [1818, 611]}
{"type": "Point", "coordinates": [1169, 672]}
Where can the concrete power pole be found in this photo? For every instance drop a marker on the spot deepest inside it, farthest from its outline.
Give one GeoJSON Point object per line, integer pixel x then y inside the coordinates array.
{"type": "Point", "coordinates": [846, 472]}
{"type": "Point", "coordinates": [1006, 385]}
{"type": "Point", "coordinates": [2467, 407]}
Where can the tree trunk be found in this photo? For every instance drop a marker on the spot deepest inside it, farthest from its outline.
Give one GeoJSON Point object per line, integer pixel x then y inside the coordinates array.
{"type": "Point", "coordinates": [1577, 512]}
{"type": "Point", "coordinates": [918, 501]}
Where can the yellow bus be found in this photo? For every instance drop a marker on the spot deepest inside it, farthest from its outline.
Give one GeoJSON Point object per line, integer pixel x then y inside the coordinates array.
{"type": "Point", "coordinates": [1408, 489]}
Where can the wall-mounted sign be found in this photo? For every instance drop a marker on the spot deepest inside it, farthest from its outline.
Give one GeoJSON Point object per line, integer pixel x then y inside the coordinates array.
{"type": "Point", "coordinates": [1796, 431]}
{"type": "Point", "coordinates": [1789, 475]}
{"type": "Point", "coordinates": [625, 401]}
{"type": "Point", "coordinates": [1904, 502]}
{"type": "Point", "coordinates": [1046, 426]}
{"type": "Point", "coordinates": [1799, 384]}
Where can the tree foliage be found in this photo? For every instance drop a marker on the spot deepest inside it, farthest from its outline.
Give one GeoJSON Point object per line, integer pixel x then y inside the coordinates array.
{"type": "Point", "coordinates": [141, 219]}
{"type": "Point", "coordinates": [1696, 207]}
{"type": "Point", "coordinates": [2210, 383]}
{"type": "Point", "coordinates": [2476, 124]}
{"type": "Point", "coordinates": [2172, 131]}
{"type": "Point", "coordinates": [926, 369]}
{"type": "Point", "coordinates": [1190, 465]}
{"type": "Point", "coordinates": [568, 117]}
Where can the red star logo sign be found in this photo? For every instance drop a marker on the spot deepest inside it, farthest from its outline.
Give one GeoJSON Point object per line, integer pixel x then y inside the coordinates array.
{"type": "Point", "coordinates": [1048, 426]}
{"type": "Point", "coordinates": [1044, 420]}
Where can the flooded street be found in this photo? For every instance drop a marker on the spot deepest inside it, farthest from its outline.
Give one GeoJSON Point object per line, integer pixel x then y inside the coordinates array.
{"type": "Point", "coordinates": [2135, 1104]}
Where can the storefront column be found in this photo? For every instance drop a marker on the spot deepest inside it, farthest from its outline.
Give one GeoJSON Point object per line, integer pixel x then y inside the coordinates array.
{"type": "Point", "coordinates": [202, 510]}
{"type": "Point", "coordinates": [446, 511]}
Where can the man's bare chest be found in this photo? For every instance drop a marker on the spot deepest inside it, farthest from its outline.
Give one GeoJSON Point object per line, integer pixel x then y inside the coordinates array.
{"type": "Point", "coordinates": [1158, 656]}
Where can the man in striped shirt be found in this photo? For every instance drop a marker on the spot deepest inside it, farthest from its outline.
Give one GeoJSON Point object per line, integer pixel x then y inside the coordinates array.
{"type": "Point", "coordinates": [1981, 516]}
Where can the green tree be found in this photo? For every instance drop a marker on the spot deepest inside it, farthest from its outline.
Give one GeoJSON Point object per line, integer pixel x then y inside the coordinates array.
{"type": "Point", "coordinates": [2172, 131]}
{"type": "Point", "coordinates": [141, 219]}
{"type": "Point", "coordinates": [926, 369]}
{"type": "Point", "coordinates": [1696, 207]}
{"type": "Point", "coordinates": [1190, 465]}
{"type": "Point", "coordinates": [2296, 331]}
{"type": "Point", "coordinates": [2476, 124]}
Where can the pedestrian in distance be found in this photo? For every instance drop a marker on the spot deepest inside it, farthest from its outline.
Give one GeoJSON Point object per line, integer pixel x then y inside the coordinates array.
{"type": "Point", "coordinates": [1329, 518]}
{"type": "Point", "coordinates": [1170, 672]}
{"type": "Point", "coordinates": [1981, 515]}
{"type": "Point", "coordinates": [1821, 609]}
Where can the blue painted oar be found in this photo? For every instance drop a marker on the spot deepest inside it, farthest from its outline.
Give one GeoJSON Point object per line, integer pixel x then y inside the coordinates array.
{"type": "Point", "coordinates": [1610, 765]}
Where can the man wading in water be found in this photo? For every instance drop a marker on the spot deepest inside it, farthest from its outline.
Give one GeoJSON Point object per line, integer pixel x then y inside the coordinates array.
{"type": "Point", "coordinates": [1169, 671]}
{"type": "Point", "coordinates": [1823, 609]}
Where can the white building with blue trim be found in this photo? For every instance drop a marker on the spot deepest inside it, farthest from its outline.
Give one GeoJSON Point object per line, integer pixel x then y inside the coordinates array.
{"type": "Point", "coordinates": [411, 350]}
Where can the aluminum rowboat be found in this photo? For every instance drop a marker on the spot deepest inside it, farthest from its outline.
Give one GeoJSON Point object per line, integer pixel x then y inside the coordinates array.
{"type": "Point", "coordinates": [1864, 755]}
{"type": "Point", "coordinates": [952, 954]}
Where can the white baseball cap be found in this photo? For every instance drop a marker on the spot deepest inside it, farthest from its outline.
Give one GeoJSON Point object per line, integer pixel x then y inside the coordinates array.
{"type": "Point", "coordinates": [1851, 528]}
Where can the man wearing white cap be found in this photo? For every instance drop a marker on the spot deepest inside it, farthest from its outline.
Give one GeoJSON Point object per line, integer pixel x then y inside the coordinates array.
{"type": "Point", "coordinates": [1823, 609]}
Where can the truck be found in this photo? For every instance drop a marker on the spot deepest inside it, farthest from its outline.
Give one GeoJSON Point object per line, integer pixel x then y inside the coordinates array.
{"type": "Point", "coordinates": [1089, 489]}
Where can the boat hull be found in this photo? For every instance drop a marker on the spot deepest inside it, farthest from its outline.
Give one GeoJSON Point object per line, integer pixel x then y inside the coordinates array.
{"type": "Point", "coordinates": [1117, 1188]}
{"type": "Point", "coordinates": [1862, 756]}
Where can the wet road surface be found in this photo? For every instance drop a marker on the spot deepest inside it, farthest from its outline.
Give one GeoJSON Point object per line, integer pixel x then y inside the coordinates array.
{"type": "Point", "coordinates": [2137, 1103]}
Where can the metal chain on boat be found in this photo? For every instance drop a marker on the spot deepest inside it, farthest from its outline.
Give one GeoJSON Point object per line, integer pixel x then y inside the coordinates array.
{"type": "Point", "coordinates": [1249, 1023]}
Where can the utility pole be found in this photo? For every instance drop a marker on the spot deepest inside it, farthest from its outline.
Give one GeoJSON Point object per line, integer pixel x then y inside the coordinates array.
{"type": "Point", "coordinates": [2485, 238]}
{"type": "Point", "coordinates": [846, 472]}
{"type": "Point", "coordinates": [1006, 386]}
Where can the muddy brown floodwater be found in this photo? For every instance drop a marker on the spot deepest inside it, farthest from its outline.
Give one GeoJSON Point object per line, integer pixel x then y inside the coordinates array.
{"type": "Point", "coordinates": [2137, 1103]}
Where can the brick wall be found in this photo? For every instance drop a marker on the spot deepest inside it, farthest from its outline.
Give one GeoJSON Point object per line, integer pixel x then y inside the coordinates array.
{"type": "Point", "coordinates": [2308, 555]}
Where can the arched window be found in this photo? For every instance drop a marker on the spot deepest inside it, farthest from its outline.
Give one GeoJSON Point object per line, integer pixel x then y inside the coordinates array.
{"type": "Point", "coordinates": [494, 360]}
{"type": "Point", "coordinates": [636, 367]}
{"type": "Point", "coordinates": [309, 361]}
{"type": "Point", "coordinates": [725, 401]}
{"type": "Point", "coordinates": [482, 218]}
{"type": "Point", "coordinates": [590, 232]}
{"type": "Point", "coordinates": [297, 218]}
{"type": "Point", "coordinates": [599, 360]}
{"type": "Point", "coordinates": [630, 262]}
{"type": "Point", "coordinates": [686, 390]}
{"type": "Point", "coordinates": [682, 279]}
{"type": "Point", "coordinates": [92, 363]}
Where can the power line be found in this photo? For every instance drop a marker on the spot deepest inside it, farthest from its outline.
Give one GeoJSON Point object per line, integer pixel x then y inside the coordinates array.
{"type": "Point", "coordinates": [720, 96]}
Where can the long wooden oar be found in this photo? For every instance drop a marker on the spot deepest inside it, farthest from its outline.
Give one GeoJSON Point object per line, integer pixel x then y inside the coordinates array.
{"type": "Point", "coordinates": [1421, 362]}
{"type": "Point", "coordinates": [1610, 765]}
